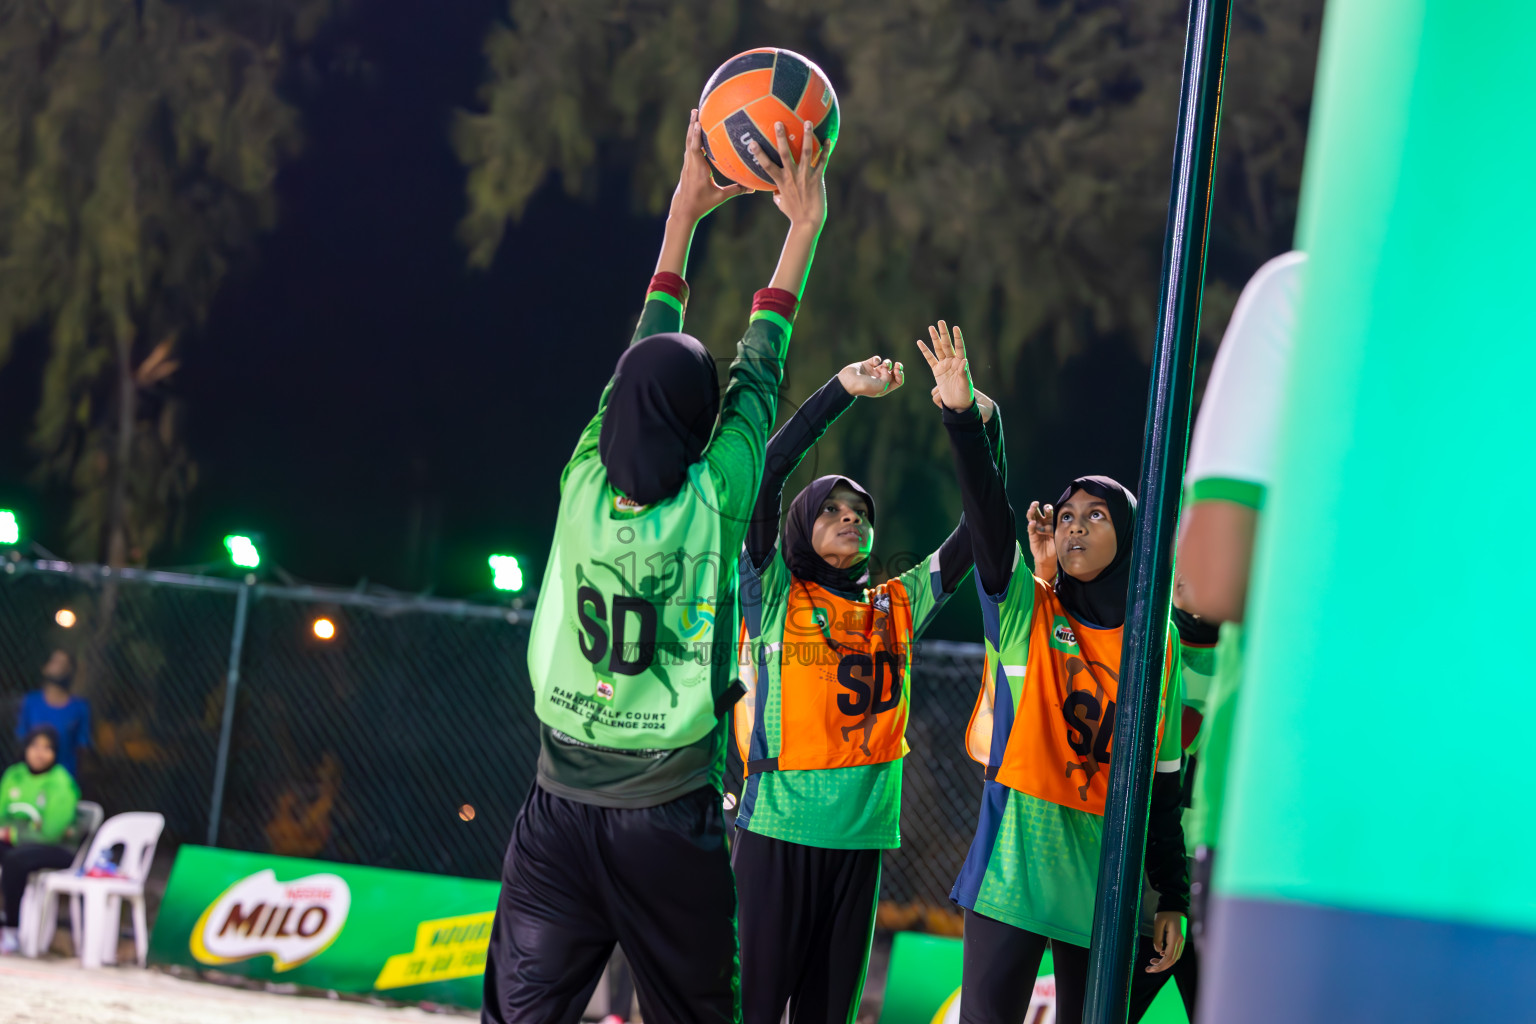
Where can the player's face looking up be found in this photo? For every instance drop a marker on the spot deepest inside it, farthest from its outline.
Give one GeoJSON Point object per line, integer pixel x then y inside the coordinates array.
{"type": "Point", "coordinates": [841, 533]}
{"type": "Point", "coordinates": [1085, 535]}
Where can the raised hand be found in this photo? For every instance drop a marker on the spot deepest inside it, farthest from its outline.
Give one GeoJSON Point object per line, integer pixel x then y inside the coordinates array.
{"type": "Point", "coordinates": [802, 190]}
{"type": "Point", "coordinates": [872, 378]}
{"type": "Point", "coordinates": [951, 370]}
{"type": "Point", "coordinates": [697, 194]}
{"type": "Point", "coordinates": [1041, 526]}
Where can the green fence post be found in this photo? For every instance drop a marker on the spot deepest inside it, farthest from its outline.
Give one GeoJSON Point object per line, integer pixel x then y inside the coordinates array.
{"type": "Point", "coordinates": [227, 725]}
{"type": "Point", "coordinates": [1162, 469]}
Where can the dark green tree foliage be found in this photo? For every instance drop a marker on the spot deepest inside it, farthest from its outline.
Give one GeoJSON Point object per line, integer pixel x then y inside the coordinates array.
{"type": "Point", "coordinates": [139, 143]}
{"type": "Point", "coordinates": [1004, 165]}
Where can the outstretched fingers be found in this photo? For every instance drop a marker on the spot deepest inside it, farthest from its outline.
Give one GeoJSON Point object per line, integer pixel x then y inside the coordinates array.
{"type": "Point", "coordinates": [940, 337]}
{"type": "Point", "coordinates": [802, 171]}
{"type": "Point", "coordinates": [822, 151]}
{"type": "Point", "coordinates": [694, 140]}
{"type": "Point", "coordinates": [781, 143]}
{"type": "Point", "coordinates": [810, 161]}
{"type": "Point", "coordinates": [933, 360]}
{"type": "Point", "coordinates": [697, 184]}
{"type": "Point", "coordinates": [776, 174]}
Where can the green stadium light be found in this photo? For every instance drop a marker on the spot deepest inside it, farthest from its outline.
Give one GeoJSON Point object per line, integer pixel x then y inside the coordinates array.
{"type": "Point", "coordinates": [508, 574]}
{"type": "Point", "coordinates": [242, 551]}
{"type": "Point", "coordinates": [10, 528]}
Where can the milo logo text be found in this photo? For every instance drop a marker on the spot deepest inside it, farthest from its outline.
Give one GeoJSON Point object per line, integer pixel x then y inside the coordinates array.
{"type": "Point", "coordinates": [291, 922]}
{"type": "Point", "coordinates": [1063, 636]}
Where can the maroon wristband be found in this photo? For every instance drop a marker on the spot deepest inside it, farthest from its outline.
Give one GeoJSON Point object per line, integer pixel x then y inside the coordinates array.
{"type": "Point", "coordinates": [776, 300]}
{"type": "Point", "coordinates": [671, 284]}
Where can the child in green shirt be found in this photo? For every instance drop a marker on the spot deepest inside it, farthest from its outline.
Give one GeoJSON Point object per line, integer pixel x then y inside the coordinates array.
{"type": "Point", "coordinates": [37, 807]}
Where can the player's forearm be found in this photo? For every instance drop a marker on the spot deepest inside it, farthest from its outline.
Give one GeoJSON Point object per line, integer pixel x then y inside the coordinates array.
{"type": "Point", "coordinates": [737, 453]}
{"type": "Point", "coordinates": [992, 427]}
{"type": "Point", "coordinates": [1215, 553]}
{"type": "Point", "coordinates": [666, 299]}
{"type": "Point", "coordinates": [675, 244]}
{"type": "Point", "coordinates": [797, 437]}
{"type": "Point", "coordinates": [955, 556]}
{"type": "Point", "coordinates": [987, 511]}
{"type": "Point", "coordinates": [785, 451]}
{"type": "Point", "coordinates": [795, 259]}
{"type": "Point", "coordinates": [1164, 858]}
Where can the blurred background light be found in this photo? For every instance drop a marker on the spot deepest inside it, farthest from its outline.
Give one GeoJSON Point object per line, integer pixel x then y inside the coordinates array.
{"type": "Point", "coordinates": [508, 575]}
{"type": "Point", "coordinates": [242, 551]}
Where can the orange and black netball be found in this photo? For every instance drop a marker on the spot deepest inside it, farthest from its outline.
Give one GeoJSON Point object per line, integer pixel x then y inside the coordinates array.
{"type": "Point", "coordinates": [747, 95]}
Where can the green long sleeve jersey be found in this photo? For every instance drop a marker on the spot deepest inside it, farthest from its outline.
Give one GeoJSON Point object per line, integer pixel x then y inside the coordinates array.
{"type": "Point", "coordinates": [37, 808]}
{"type": "Point", "coordinates": [631, 647]}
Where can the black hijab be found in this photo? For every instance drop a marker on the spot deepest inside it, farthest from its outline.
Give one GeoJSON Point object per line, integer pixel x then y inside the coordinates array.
{"type": "Point", "coordinates": [1101, 600]}
{"type": "Point", "coordinates": [49, 733]}
{"type": "Point", "coordinates": [661, 413]}
{"type": "Point", "coordinates": [795, 538]}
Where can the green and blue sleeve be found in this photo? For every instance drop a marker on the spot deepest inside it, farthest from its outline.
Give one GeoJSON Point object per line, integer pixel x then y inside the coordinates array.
{"type": "Point", "coordinates": [941, 574]}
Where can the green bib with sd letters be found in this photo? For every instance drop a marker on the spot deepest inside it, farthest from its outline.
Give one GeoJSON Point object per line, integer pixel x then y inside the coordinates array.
{"type": "Point", "coordinates": [623, 652]}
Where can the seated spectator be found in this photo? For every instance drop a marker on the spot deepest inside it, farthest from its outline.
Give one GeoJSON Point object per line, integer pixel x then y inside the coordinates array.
{"type": "Point", "coordinates": [54, 705]}
{"type": "Point", "coordinates": [37, 808]}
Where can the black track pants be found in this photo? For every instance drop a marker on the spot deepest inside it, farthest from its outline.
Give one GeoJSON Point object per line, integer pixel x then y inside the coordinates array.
{"type": "Point", "coordinates": [1001, 962]}
{"type": "Point", "coordinates": [578, 878]}
{"type": "Point", "coordinates": [18, 862]}
{"type": "Point", "coordinates": [807, 917]}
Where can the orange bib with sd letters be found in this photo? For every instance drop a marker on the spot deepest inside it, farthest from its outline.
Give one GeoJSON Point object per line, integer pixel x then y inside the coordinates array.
{"type": "Point", "coordinates": [1059, 747]}
{"type": "Point", "coordinates": [842, 680]}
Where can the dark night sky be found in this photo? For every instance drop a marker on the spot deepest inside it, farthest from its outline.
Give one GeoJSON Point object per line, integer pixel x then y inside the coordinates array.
{"type": "Point", "coordinates": [372, 405]}
{"type": "Point", "coordinates": [377, 409]}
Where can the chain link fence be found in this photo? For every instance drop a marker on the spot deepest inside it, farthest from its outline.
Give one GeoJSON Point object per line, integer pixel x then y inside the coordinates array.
{"type": "Point", "coordinates": [407, 739]}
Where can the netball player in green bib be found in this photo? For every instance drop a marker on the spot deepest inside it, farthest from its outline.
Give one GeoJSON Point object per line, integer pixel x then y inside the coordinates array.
{"type": "Point", "coordinates": [826, 656]}
{"type": "Point", "coordinates": [622, 838]}
{"type": "Point", "coordinates": [1043, 730]}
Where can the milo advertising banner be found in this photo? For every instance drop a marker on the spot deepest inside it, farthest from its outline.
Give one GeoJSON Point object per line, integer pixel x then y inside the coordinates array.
{"type": "Point", "coordinates": [395, 934]}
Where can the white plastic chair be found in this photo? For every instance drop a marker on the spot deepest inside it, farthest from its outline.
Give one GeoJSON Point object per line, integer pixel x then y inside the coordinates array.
{"type": "Point", "coordinates": [138, 833]}
{"type": "Point", "coordinates": [36, 928]}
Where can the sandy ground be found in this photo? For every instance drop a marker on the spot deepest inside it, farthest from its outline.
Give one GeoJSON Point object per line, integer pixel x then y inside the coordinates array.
{"type": "Point", "coordinates": [61, 992]}
{"type": "Point", "coordinates": [57, 990]}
